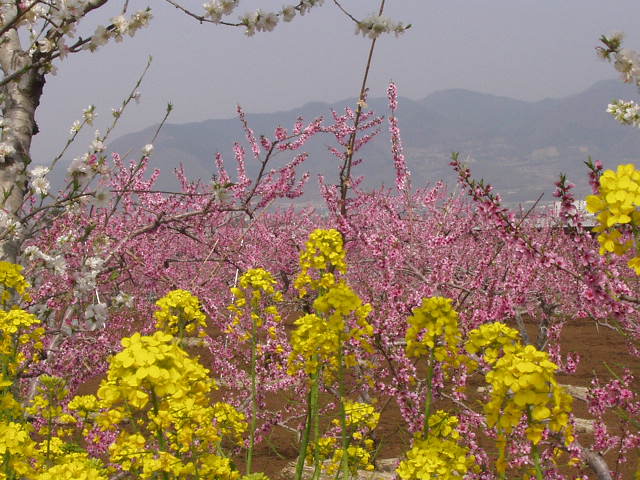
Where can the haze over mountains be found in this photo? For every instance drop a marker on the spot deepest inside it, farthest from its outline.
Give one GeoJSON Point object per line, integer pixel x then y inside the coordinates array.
{"type": "Point", "coordinates": [519, 147]}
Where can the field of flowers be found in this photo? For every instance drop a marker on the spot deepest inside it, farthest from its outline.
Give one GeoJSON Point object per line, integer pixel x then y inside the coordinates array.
{"type": "Point", "coordinates": [443, 330]}
{"type": "Point", "coordinates": [210, 334]}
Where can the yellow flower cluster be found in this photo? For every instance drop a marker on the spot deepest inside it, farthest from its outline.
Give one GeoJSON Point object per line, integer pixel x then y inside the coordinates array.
{"type": "Point", "coordinates": [315, 341]}
{"type": "Point", "coordinates": [180, 313]}
{"type": "Point", "coordinates": [17, 327]}
{"type": "Point", "coordinates": [340, 302]}
{"type": "Point", "coordinates": [523, 384]}
{"type": "Point", "coordinates": [443, 425]}
{"type": "Point", "coordinates": [155, 396]}
{"type": "Point", "coordinates": [360, 415]}
{"type": "Point", "coordinates": [318, 340]}
{"type": "Point", "coordinates": [433, 327]}
{"type": "Point", "coordinates": [23, 457]}
{"type": "Point", "coordinates": [330, 453]}
{"type": "Point", "coordinates": [435, 457]}
{"type": "Point", "coordinates": [83, 403]}
{"type": "Point", "coordinates": [16, 450]}
{"type": "Point", "coordinates": [491, 340]}
{"type": "Point", "coordinates": [47, 404]}
{"type": "Point", "coordinates": [155, 386]}
{"type": "Point", "coordinates": [12, 281]}
{"type": "Point", "coordinates": [439, 455]}
{"type": "Point", "coordinates": [361, 420]}
{"type": "Point", "coordinates": [255, 285]}
{"type": "Point", "coordinates": [325, 254]}
{"type": "Point", "coordinates": [10, 408]}
{"type": "Point", "coordinates": [152, 365]}
{"type": "Point", "coordinates": [619, 196]}
{"type": "Point", "coordinates": [229, 421]}
{"type": "Point", "coordinates": [76, 466]}
{"type": "Point", "coordinates": [255, 476]}
{"type": "Point", "coordinates": [258, 280]}
{"type": "Point", "coordinates": [17, 330]}
{"type": "Point", "coordinates": [616, 205]}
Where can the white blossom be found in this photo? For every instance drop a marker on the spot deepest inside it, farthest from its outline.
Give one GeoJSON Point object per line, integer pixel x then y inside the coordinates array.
{"type": "Point", "coordinates": [627, 62]}
{"type": "Point", "coordinates": [97, 146]}
{"type": "Point", "coordinates": [65, 238]}
{"type": "Point", "coordinates": [101, 198]}
{"type": "Point", "coordinates": [214, 11]}
{"type": "Point", "coordinates": [75, 127]}
{"type": "Point", "coordinates": [9, 226]}
{"type": "Point", "coordinates": [89, 114]}
{"type": "Point", "coordinates": [56, 263]}
{"type": "Point", "coordinates": [40, 186]}
{"type": "Point", "coordinates": [121, 23]}
{"type": "Point", "coordinates": [217, 8]}
{"type": "Point", "coordinates": [626, 112]}
{"type": "Point", "coordinates": [95, 264]}
{"type": "Point", "coordinates": [45, 45]}
{"type": "Point", "coordinates": [5, 151]}
{"type": "Point", "coordinates": [266, 21]}
{"type": "Point", "coordinates": [79, 165]}
{"type": "Point", "coordinates": [288, 13]}
{"type": "Point", "coordinates": [39, 171]}
{"type": "Point", "coordinates": [84, 283]}
{"type": "Point", "coordinates": [147, 150]}
{"type": "Point", "coordinates": [100, 37]}
{"type": "Point", "coordinates": [97, 313]}
{"type": "Point", "coordinates": [228, 5]}
{"type": "Point", "coordinates": [124, 300]}
{"type": "Point", "coordinates": [86, 280]}
{"type": "Point", "coordinates": [375, 25]}
{"type": "Point", "coordinates": [139, 20]}
{"type": "Point", "coordinates": [249, 20]}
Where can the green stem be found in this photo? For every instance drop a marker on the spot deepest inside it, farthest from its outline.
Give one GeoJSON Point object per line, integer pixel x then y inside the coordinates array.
{"type": "Point", "coordinates": [312, 398]}
{"type": "Point", "coordinates": [429, 399]}
{"type": "Point", "coordinates": [536, 462]}
{"type": "Point", "coordinates": [254, 406]}
{"type": "Point", "coordinates": [49, 433]}
{"type": "Point", "coordinates": [502, 452]}
{"type": "Point", "coordinates": [344, 461]}
{"type": "Point", "coordinates": [7, 465]}
{"type": "Point", "coordinates": [315, 418]}
{"type": "Point", "coordinates": [159, 435]}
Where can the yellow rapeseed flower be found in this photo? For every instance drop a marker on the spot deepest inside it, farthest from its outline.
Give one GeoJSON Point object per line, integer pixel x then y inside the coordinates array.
{"type": "Point", "coordinates": [523, 383]}
{"type": "Point", "coordinates": [492, 340]}
{"type": "Point", "coordinates": [436, 457]}
{"type": "Point", "coordinates": [319, 339]}
{"type": "Point", "coordinates": [433, 326]}
{"type": "Point", "coordinates": [12, 281]}
{"type": "Point", "coordinates": [323, 254]}
{"type": "Point", "coordinates": [180, 314]}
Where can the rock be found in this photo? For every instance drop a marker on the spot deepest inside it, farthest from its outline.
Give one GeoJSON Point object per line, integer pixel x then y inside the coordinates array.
{"type": "Point", "coordinates": [583, 425]}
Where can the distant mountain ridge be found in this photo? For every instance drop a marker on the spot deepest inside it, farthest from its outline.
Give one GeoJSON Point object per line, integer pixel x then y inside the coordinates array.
{"type": "Point", "coordinates": [520, 147]}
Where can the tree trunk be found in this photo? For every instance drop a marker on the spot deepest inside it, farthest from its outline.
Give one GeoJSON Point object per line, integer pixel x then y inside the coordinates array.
{"type": "Point", "coordinates": [21, 98]}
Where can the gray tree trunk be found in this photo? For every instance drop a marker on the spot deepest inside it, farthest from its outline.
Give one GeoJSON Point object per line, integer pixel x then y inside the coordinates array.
{"type": "Point", "coordinates": [21, 99]}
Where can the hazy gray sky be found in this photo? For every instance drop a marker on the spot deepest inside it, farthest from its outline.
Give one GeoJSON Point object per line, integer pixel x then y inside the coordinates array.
{"type": "Point", "coordinates": [526, 49]}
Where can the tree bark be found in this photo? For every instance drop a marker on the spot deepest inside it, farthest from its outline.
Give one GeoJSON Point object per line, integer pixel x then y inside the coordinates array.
{"type": "Point", "coordinates": [21, 99]}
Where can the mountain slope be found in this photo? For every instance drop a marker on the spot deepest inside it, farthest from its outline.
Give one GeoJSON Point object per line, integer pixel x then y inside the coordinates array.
{"type": "Point", "coordinates": [518, 146]}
